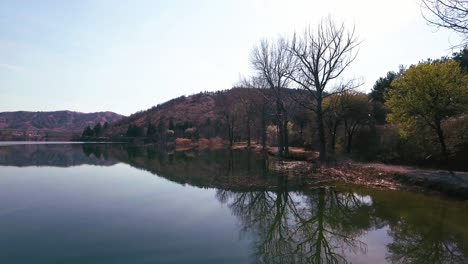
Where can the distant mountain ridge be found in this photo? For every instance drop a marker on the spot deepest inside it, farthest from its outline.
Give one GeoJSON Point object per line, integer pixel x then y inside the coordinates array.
{"type": "Point", "coordinates": [15, 125]}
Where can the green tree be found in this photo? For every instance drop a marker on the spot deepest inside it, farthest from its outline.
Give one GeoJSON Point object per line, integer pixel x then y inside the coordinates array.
{"type": "Point", "coordinates": [380, 87]}
{"type": "Point", "coordinates": [356, 113]}
{"type": "Point", "coordinates": [171, 123]}
{"type": "Point", "coordinates": [161, 126]}
{"type": "Point", "coordinates": [426, 95]}
{"type": "Point", "coordinates": [88, 132]}
{"type": "Point", "coordinates": [462, 58]}
{"type": "Point", "coordinates": [97, 130]}
{"type": "Point", "coordinates": [377, 94]}
{"type": "Point", "coordinates": [134, 131]}
{"type": "Point", "coordinates": [151, 130]}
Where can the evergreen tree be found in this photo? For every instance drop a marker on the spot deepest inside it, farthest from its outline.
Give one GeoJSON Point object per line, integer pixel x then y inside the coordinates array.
{"type": "Point", "coordinates": [88, 132]}
{"type": "Point", "coordinates": [150, 130]}
{"type": "Point", "coordinates": [161, 126]}
{"type": "Point", "coordinates": [134, 131]}
{"type": "Point", "coordinates": [97, 130]}
{"type": "Point", "coordinates": [462, 58]}
{"type": "Point", "coordinates": [171, 123]}
{"type": "Point", "coordinates": [130, 131]}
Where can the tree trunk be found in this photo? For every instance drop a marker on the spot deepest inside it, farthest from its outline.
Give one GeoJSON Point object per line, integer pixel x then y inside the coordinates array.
{"type": "Point", "coordinates": [248, 131]}
{"type": "Point", "coordinates": [286, 137]}
{"type": "Point", "coordinates": [264, 130]}
{"type": "Point", "coordinates": [301, 128]}
{"type": "Point", "coordinates": [279, 125]}
{"type": "Point", "coordinates": [333, 138]}
{"type": "Point", "coordinates": [279, 138]}
{"type": "Point", "coordinates": [441, 137]}
{"type": "Point", "coordinates": [231, 133]}
{"type": "Point", "coordinates": [321, 132]}
{"type": "Point", "coordinates": [350, 142]}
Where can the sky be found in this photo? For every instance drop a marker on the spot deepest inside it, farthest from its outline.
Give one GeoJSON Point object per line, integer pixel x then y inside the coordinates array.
{"type": "Point", "coordinates": [127, 56]}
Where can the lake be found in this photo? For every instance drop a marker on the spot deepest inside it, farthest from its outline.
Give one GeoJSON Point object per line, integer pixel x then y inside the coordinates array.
{"type": "Point", "coordinates": [115, 203]}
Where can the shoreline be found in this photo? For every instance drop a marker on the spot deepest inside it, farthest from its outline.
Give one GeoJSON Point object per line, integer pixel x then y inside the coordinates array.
{"type": "Point", "coordinates": [380, 176]}
{"type": "Point", "coordinates": [304, 165]}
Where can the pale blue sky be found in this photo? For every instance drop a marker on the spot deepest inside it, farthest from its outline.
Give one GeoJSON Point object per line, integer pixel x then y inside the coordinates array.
{"type": "Point", "coordinates": [126, 56]}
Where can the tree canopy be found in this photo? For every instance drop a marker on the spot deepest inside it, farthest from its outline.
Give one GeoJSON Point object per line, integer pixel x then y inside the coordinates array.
{"type": "Point", "coordinates": [426, 95]}
{"type": "Point", "coordinates": [381, 86]}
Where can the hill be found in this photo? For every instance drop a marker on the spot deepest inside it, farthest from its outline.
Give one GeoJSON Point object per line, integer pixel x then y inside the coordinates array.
{"type": "Point", "coordinates": [236, 113]}
{"type": "Point", "coordinates": [23, 125]}
{"type": "Point", "coordinates": [194, 109]}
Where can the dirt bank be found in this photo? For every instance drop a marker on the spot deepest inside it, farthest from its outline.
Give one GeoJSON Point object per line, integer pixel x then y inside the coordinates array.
{"type": "Point", "coordinates": [453, 184]}
{"type": "Point", "coordinates": [302, 164]}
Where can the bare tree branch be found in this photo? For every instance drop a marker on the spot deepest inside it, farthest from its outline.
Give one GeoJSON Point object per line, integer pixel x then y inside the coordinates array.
{"type": "Point", "coordinates": [451, 14]}
{"type": "Point", "coordinates": [322, 55]}
{"type": "Point", "coordinates": [274, 65]}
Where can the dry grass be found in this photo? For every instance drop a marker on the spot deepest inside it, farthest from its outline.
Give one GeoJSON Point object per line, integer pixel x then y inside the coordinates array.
{"type": "Point", "coordinates": [203, 143]}
{"type": "Point", "coordinates": [183, 143]}
{"type": "Point", "coordinates": [212, 143]}
{"type": "Point", "coordinates": [216, 142]}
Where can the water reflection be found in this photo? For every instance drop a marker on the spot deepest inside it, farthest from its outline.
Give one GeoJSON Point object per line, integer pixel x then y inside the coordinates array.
{"type": "Point", "coordinates": [56, 155]}
{"type": "Point", "coordinates": [317, 227]}
{"type": "Point", "coordinates": [328, 226]}
{"type": "Point", "coordinates": [227, 169]}
{"type": "Point", "coordinates": [286, 221]}
{"type": "Point", "coordinates": [418, 244]}
{"type": "Point", "coordinates": [438, 235]}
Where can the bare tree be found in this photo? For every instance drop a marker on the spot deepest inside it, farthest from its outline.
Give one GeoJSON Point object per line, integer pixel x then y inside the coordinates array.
{"type": "Point", "coordinates": [333, 117]}
{"type": "Point", "coordinates": [274, 64]}
{"type": "Point", "coordinates": [451, 14]}
{"type": "Point", "coordinates": [229, 110]}
{"type": "Point", "coordinates": [356, 113]}
{"type": "Point", "coordinates": [322, 55]}
{"type": "Point", "coordinates": [256, 105]}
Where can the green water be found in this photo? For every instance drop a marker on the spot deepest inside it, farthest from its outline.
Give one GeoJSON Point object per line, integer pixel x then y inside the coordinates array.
{"type": "Point", "coordinates": [97, 203]}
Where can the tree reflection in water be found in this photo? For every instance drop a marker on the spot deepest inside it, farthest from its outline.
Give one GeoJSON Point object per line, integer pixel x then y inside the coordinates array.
{"type": "Point", "coordinates": [415, 242]}
{"type": "Point", "coordinates": [289, 225]}
{"type": "Point", "coordinates": [292, 227]}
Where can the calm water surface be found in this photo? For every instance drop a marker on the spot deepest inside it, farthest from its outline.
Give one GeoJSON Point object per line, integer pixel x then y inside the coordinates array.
{"type": "Point", "coordinates": [97, 203]}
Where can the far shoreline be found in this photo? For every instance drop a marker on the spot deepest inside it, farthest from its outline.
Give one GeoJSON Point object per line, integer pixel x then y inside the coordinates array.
{"type": "Point", "coordinates": [21, 142]}
{"type": "Point", "coordinates": [304, 165]}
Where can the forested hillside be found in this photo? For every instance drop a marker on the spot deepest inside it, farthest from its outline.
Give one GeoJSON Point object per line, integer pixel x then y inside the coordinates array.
{"type": "Point", "coordinates": [238, 114]}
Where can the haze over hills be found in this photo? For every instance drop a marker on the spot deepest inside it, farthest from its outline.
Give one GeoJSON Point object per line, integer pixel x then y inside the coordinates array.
{"type": "Point", "coordinates": [22, 125]}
